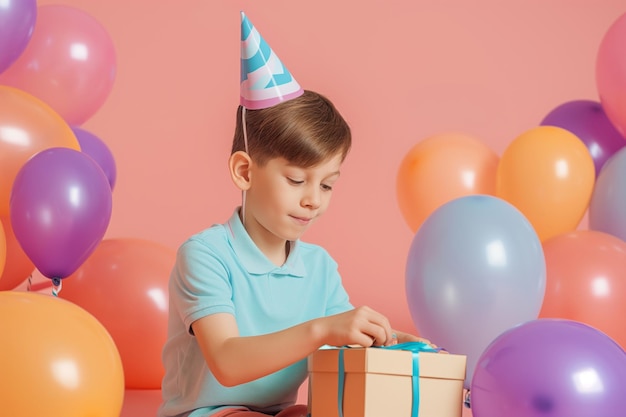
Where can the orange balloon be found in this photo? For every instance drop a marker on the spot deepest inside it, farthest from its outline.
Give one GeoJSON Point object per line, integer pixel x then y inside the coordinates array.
{"type": "Point", "coordinates": [441, 168]}
{"type": "Point", "coordinates": [27, 126]}
{"type": "Point", "coordinates": [548, 174]}
{"type": "Point", "coordinates": [134, 273]}
{"type": "Point", "coordinates": [586, 281]}
{"type": "Point", "coordinates": [18, 266]}
{"type": "Point", "coordinates": [57, 360]}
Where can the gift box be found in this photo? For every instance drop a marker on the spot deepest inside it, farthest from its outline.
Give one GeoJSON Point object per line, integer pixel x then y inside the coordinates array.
{"type": "Point", "coordinates": [381, 382]}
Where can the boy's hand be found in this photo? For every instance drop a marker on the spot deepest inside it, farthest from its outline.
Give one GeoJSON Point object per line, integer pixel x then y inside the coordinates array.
{"type": "Point", "coordinates": [407, 337]}
{"type": "Point", "coordinates": [361, 326]}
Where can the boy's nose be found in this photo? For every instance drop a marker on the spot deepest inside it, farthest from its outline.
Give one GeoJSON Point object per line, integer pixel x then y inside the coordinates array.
{"type": "Point", "coordinates": [312, 197]}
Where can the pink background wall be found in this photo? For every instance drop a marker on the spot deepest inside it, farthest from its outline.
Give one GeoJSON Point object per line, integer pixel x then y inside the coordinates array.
{"type": "Point", "coordinates": [399, 70]}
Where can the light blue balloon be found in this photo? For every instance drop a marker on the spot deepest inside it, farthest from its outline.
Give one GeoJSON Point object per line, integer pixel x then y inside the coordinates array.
{"type": "Point", "coordinates": [475, 269]}
{"type": "Point", "coordinates": [607, 208]}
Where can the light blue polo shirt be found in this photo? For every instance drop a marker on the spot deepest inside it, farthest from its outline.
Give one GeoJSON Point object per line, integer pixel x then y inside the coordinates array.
{"type": "Point", "coordinates": [221, 270]}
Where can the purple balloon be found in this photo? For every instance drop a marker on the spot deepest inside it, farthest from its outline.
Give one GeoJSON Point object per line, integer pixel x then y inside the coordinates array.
{"type": "Point", "coordinates": [550, 368]}
{"type": "Point", "coordinates": [60, 208]}
{"type": "Point", "coordinates": [99, 151]}
{"type": "Point", "coordinates": [17, 21]}
{"type": "Point", "coordinates": [588, 121]}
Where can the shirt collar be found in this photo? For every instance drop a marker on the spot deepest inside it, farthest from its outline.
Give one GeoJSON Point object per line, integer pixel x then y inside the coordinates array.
{"type": "Point", "coordinates": [251, 257]}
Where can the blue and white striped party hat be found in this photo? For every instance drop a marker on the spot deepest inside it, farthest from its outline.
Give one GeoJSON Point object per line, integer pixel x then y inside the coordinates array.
{"type": "Point", "coordinates": [265, 81]}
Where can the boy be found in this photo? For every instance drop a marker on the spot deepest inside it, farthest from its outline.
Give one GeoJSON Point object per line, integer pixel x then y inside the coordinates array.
{"type": "Point", "coordinates": [249, 301]}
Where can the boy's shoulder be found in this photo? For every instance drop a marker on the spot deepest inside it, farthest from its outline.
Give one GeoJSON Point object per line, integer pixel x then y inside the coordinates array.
{"type": "Point", "coordinates": [215, 230]}
{"type": "Point", "coordinates": [212, 235]}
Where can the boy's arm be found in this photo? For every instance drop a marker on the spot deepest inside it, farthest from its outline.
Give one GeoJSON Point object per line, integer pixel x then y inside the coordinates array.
{"type": "Point", "coordinates": [234, 359]}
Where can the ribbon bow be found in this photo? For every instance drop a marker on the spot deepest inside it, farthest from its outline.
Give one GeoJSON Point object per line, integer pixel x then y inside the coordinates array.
{"type": "Point", "coordinates": [415, 347]}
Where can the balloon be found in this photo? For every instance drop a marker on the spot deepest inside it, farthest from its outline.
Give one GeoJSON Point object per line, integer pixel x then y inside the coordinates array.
{"type": "Point", "coordinates": [17, 20]}
{"type": "Point", "coordinates": [608, 200]}
{"type": "Point", "coordinates": [60, 209]}
{"type": "Point", "coordinates": [69, 63]}
{"type": "Point", "coordinates": [611, 73]}
{"type": "Point", "coordinates": [3, 249]}
{"type": "Point", "coordinates": [475, 268]}
{"type": "Point", "coordinates": [136, 273]}
{"type": "Point", "coordinates": [548, 174]}
{"type": "Point", "coordinates": [550, 367]}
{"type": "Point", "coordinates": [57, 360]}
{"type": "Point", "coordinates": [441, 168]}
{"type": "Point", "coordinates": [17, 267]}
{"type": "Point", "coordinates": [586, 281]}
{"type": "Point", "coordinates": [588, 121]}
{"type": "Point", "coordinates": [27, 126]}
{"type": "Point", "coordinates": [99, 151]}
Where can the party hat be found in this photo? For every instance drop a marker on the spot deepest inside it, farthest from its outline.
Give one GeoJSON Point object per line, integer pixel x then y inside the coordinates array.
{"type": "Point", "coordinates": [265, 81]}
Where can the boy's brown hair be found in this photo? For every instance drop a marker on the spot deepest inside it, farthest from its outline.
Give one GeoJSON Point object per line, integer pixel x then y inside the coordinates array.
{"type": "Point", "coordinates": [305, 131]}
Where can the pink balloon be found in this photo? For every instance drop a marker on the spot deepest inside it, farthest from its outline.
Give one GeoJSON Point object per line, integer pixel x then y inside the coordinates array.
{"type": "Point", "coordinates": [69, 63]}
{"type": "Point", "coordinates": [611, 73]}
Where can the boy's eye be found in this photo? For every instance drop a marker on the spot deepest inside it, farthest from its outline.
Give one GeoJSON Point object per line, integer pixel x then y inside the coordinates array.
{"type": "Point", "coordinates": [295, 182]}
{"type": "Point", "coordinates": [326, 187]}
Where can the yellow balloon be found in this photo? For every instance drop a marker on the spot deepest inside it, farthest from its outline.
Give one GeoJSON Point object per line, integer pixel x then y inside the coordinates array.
{"type": "Point", "coordinates": [27, 126]}
{"type": "Point", "coordinates": [548, 174]}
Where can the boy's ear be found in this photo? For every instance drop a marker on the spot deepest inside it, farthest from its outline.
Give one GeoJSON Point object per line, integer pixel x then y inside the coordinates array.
{"type": "Point", "coordinates": [239, 165]}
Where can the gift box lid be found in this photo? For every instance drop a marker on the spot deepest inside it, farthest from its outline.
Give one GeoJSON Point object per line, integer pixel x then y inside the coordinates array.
{"type": "Point", "coordinates": [386, 361]}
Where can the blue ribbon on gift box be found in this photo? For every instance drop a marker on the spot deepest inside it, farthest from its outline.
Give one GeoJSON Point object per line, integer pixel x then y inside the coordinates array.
{"type": "Point", "coordinates": [415, 348]}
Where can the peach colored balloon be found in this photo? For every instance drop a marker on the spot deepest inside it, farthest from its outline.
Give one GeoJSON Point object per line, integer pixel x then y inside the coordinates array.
{"type": "Point", "coordinates": [134, 273]}
{"type": "Point", "coordinates": [586, 281]}
{"type": "Point", "coordinates": [57, 360]}
{"type": "Point", "coordinates": [548, 174]}
{"type": "Point", "coordinates": [18, 266]}
{"type": "Point", "coordinates": [27, 126]}
{"type": "Point", "coordinates": [441, 168]}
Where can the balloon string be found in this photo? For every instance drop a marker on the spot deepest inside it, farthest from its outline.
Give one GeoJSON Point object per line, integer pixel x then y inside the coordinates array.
{"type": "Point", "coordinates": [30, 282]}
{"type": "Point", "coordinates": [56, 286]}
{"type": "Point", "coordinates": [245, 129]}
{"type": "Point", "coordinates": [245, 144]}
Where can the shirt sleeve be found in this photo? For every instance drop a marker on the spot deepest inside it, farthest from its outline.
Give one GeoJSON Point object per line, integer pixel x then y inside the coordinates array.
{"type": "Point", "coordinates": [200, 284]}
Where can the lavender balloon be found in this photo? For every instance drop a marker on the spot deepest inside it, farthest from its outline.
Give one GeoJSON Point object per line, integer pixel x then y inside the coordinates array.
{"type": "Point", "coordinates": [60, 208]}
{"type": "Point", "coordinates": [475, 269]}
{"type": "Point", "coordinates": [17, 21]}
{"type": "Point", "coordinates": [588, 121]}
{"type": "Point", "coordinates": [550, 368]}
{"type": "Point", "coordinates": [607, 206]}
{"type": "Point", "coordinates": [95, 147]}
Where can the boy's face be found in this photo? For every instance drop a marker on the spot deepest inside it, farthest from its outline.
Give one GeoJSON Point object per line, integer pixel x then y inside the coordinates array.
{"type": "Point", "coordinates": [284, 200]}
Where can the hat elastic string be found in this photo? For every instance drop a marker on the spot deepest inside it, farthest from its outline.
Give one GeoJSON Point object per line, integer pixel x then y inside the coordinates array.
{"type": "Point", "coordinates": [245, 144]}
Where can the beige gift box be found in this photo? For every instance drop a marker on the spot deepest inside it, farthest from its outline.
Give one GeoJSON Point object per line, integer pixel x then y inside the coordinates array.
{"type": "Point", "coordinates": [378, 383]}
